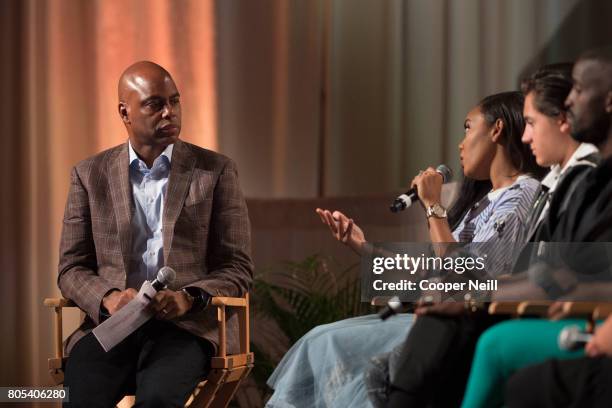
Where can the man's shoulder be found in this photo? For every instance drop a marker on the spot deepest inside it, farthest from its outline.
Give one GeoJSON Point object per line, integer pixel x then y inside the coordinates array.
{"type": "Point", "coordinates": [99, 160]}
{"type": "Point", "coordinates": [576, 173]}
{"type": "Point", "coordinates": [208, 159]}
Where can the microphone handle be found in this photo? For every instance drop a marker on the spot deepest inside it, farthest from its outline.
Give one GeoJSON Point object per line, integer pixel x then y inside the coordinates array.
{"type": "Point", "coordinates": [583, 338]}
{"type": "Point", "coordinates": [388, 311]}
{"type": "Point", "coordinates": [571, 338]}
{"type": "Point", "coordinates": [408, 198]}
{"type": "Point", "coordinates": [157, 285]}
{"type": "Point", "coordinates": [405, 200]}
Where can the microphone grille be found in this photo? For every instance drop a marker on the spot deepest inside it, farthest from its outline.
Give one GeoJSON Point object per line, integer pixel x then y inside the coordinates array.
{"type": "Point", "coordinates": [166, 275]}
{"type": "Point", "coordinates": [394, 303]}
{"type": "Point", "coordinates": [446, 172]}
{"type": "Point", "coordinates": [567, 337]}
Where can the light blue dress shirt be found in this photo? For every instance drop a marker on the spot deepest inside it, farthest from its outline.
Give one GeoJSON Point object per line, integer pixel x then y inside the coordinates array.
{"type": "Point", "coordinates": [148, 190]}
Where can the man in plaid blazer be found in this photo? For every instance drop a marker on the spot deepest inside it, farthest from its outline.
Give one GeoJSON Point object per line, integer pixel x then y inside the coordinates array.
{"type": "Point", "coordinates": [150, 202]}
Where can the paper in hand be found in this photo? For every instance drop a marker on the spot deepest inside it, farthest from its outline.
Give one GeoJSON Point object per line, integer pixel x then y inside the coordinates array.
{"type": "Point", "coordinates": [127, 319]}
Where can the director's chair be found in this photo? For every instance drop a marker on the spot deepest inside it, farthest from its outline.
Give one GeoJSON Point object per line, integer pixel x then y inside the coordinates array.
{"type": "Point", "coordinates": [226, 373]}
{"type": "Point", "coordinates": [590, 311]}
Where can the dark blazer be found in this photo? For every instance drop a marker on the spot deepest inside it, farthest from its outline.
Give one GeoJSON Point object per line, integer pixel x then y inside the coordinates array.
{"type": "Point", "coordinates": [206, 234]}
{"type": "Point", "coordinates": [562, 197]}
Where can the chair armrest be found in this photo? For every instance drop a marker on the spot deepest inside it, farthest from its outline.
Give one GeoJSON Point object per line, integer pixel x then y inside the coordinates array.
{"type": "Point", "coordinates": [580, 309]}
{"type": "Point", "coordinates": [229, 301]}
{"type": "Point", "coordinates": [570, 309]}
{"type": "Point", "coordinates": [504, 308]}
{"type": "Point", "coordinates": [59, 302]}
{"type": "Point", "coordinates": [243, 323]}
{"type": "Point", "coordinates": [533, 309]}
{"type": "Point", "coordinates": [602, 311]}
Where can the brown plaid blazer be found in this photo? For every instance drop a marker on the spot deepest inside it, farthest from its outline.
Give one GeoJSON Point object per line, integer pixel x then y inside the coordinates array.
{"type": "Point", "coordinates": [205, 228]}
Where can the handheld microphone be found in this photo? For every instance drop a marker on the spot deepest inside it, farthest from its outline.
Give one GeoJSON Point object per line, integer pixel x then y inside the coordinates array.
{"type": "Point", "coordinates": [393, 307]}
{"type": "Point", "coordinates": [165, 276]}
{"type": "Point", "coordinates": [408, 198]}
{"type": "Point", "coordinates": [134, 314]}
{"type": "Point", "coordinates": [571, 338]}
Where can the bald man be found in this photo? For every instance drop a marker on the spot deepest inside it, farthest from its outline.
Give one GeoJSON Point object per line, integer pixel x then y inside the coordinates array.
{"type": "Point", "coordinates": [150, 202]}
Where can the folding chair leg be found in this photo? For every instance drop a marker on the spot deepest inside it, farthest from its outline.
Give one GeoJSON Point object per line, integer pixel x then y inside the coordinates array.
{"type": "Point", "coordinates": [205, 397]}
{"type": "Point", "coordinates": [226, 392]}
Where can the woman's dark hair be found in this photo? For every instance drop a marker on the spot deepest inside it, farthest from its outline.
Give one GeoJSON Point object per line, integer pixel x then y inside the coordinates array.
{"type": "Point", "coordinates": [550, 85]}
{"type": "Point", "coordinates": [508, 107]}
{"type": "Point", "coordinates": [470, 192]}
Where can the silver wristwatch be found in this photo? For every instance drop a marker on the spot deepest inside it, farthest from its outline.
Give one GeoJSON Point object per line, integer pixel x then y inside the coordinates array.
{"type": "Point", "coordinates": [436, 210]}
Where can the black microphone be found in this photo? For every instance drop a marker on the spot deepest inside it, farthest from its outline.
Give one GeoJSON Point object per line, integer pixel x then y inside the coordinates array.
{"type": "Point", "coordinates": [408, 198]}
{"type": "Point", "coordinates": [165, 276]}
{"type": "Point", "coordinates": [572, 338]}
{"type": "Point", "coordinates": [395, 306]}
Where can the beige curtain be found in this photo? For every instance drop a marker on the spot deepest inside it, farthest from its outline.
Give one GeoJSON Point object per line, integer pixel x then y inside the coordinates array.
{"type": "Point", "coordinates": [311, 98]}
{"type": "Point", "coordinates": [354, 96]}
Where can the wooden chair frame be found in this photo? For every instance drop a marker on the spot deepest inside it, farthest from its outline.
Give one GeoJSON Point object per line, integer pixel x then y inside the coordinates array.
{"type": "Point", "coordinates": [226, 373]}
{"type": "Point", "coordinates": [591, 311]}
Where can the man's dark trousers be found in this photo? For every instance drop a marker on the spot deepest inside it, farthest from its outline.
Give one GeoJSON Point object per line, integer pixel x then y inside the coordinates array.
{"type": "Point", "coordinates": [575, 383]}
{"type": "Point", "coordinates": [159, 363]}
{"type": "Point", "coordinates": [436, 359]}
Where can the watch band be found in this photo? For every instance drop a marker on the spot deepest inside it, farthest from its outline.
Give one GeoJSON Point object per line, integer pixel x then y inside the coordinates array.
{"type": "Point", "coordinates": [201, 299]}
{"type": "Point", "coordinates": [191, 298]}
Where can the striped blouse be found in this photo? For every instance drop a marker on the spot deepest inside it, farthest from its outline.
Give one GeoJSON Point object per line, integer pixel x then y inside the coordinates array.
{"type": "Point", "coordinates": [500, 230]}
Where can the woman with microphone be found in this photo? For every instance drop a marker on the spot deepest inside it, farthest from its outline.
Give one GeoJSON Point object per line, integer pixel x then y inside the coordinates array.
{"type": "Point", "coordinates": [325, 368]}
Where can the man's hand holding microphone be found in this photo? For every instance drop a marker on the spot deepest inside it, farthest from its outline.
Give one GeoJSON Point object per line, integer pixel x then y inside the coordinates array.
{"type": "Point", "coordinates": [166, 304]}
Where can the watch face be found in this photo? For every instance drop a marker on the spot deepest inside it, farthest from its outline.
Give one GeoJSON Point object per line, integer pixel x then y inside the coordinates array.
{"type": "Point", "coordinates": [438, 211]}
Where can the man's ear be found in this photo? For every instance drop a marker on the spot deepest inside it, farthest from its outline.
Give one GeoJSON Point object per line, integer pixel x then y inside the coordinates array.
{"type": "Point", "coordinates": [609, 102]}
{"type": "Point", "coordinates": [498, 126]}
{"type": "Point", "coordinates": [123, 112]}
{"type": "Point", "coordinates": [564, 125]}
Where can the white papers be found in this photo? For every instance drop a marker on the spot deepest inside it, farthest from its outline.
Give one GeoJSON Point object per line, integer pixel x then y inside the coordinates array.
{"type": "Point", "coordinates": [126, 320]}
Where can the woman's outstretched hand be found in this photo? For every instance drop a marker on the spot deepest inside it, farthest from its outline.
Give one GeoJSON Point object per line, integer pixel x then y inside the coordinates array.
{"type": "Point", "coordinates": [343, 229]}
